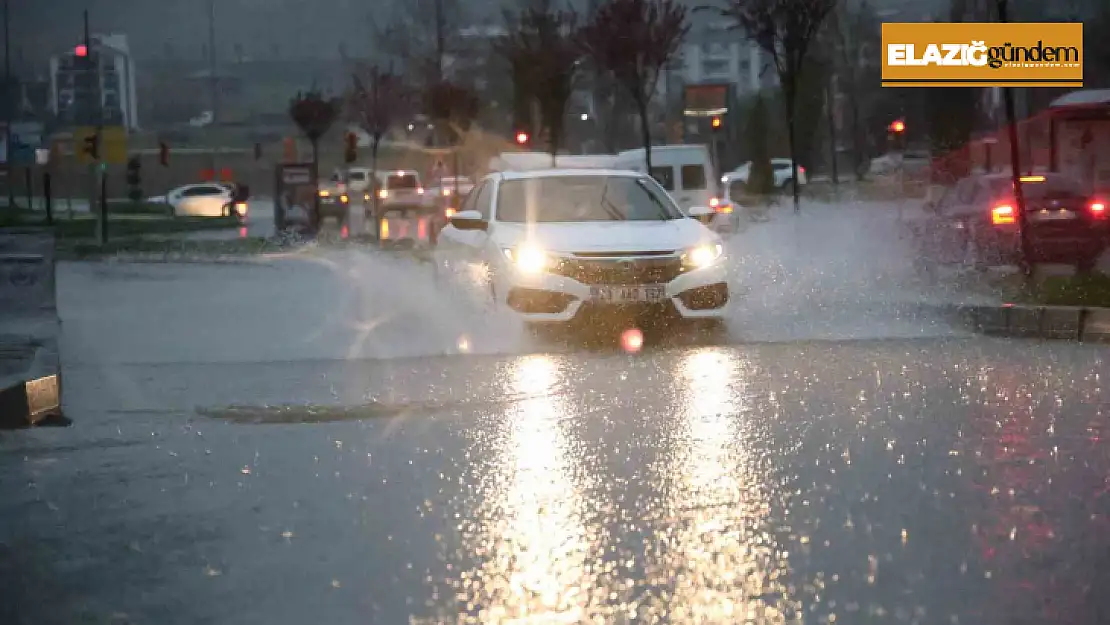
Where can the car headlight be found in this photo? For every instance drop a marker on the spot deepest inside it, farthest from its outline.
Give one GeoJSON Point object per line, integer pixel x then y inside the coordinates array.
{"type": "Point", "coordinates": [702, 255]}
{"type": "Point", "coordinates": [528, 259]}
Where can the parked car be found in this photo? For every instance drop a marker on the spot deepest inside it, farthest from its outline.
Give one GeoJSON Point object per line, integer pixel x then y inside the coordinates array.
{"type": "Point", "coordinates": [206, 199]}
{"type": "Point", "coordinates": [599, 240]}
{"type": "Point", "coordinates": [976, 222]}
{"type": "Point", "coordinates": [782, 171]}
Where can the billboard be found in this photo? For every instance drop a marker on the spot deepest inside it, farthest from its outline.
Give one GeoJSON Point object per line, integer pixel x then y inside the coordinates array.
{"type": "Point", "coordinates": [705, 100]}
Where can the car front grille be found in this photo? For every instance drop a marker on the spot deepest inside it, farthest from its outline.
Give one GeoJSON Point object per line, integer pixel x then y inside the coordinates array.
{"type": "Point", "coordinates": [654, 269]}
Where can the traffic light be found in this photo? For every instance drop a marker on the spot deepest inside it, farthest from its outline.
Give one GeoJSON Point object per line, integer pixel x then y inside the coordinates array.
{"type": "Point", "coordinates": [257, 151]}
{"type": "Point", "coordinates": [897, 126]}
{"type": "Point", "coordinates": [134, 182]}
{"type": "Point", "coordinates": [350, 149]}
{"type": "Point", "coordinates": [81, 51]}
{"type": "Point", "coordinates": [522, 138]}
{"type": "Point", "coordinates": [91, 146]}
{"type": "Point", "coordinates": [163, 154]}
{"type": "Point", "coordinates": [133, 170]}
{"type": "Point", "coordinates": [715, 123]}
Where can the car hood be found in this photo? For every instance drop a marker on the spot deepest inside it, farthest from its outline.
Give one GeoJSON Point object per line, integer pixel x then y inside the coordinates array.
{"type": "Point", "coordinates": [622, 236]}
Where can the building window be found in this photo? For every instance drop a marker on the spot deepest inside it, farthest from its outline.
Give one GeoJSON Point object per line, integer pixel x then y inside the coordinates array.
{"type": "Point", "coordinates": [715, 67]}
{"type": "Point", "coordinates": [716, 50]}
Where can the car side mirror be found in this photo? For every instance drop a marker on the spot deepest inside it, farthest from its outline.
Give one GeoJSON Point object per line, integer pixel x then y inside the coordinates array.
{"type": "Point", "coordinates": [468, 220]}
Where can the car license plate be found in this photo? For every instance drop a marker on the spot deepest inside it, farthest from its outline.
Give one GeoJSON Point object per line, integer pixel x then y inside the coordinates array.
{"type": "Point", "coordinates": [620, 294]}
{"type": "Point", "coordinates": [1046, 215]}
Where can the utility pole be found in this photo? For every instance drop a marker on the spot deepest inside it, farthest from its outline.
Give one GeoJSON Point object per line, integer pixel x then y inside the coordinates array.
{"type": "Point", "coordinates": [214, 81]}
{"type": "Point", "coordinates": [8, 105]}
{"type": "Point", "coordinates": [1015, 163]}
{"type": "Point", "coordinates": [97, 175]}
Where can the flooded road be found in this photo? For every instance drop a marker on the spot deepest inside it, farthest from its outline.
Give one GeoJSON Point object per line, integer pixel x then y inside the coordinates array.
{"type": "Point", "coordinates": [921, 481]}
{"type": "Point", "coordinates": [329, 438]}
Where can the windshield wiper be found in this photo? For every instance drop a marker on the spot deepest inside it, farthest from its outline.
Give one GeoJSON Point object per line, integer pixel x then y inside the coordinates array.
{"type": "Point", "coordinates": [663, 214]}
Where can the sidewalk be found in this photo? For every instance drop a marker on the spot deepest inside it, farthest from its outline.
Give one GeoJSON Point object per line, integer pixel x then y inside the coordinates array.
{"type": "Point", "coordinates": [30, 366]}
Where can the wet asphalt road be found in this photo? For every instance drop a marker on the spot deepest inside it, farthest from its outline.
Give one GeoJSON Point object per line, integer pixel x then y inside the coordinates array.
{"type": "Point", "coordinates": [869, 467]}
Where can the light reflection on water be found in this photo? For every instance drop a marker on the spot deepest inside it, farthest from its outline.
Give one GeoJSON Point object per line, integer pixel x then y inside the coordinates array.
{"type": "Point", "coordinates": [724, 564]}
{"type": "Point", "coordinates": [536, 559]}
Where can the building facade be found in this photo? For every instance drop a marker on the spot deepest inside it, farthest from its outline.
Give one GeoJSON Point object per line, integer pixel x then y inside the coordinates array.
{"type": "Point", "coordinates": [105, 71]}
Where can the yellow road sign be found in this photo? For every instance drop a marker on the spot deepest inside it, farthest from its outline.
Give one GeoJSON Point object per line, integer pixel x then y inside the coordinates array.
{"type": "Point", "coordinates": [113, 143]}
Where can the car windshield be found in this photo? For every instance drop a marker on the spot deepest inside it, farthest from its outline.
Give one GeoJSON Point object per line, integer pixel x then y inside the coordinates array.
{"type": "Point", "coordinates": [401, 181]}
{"type": "Point", "coordinates": [357, 176]}
{"type": "Point", "coordinates": [1041, 187]}
{"type": "Point", "coordinates": [583, 198]}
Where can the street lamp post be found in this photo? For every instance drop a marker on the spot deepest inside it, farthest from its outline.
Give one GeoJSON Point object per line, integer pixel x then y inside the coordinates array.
{"type": "Point", "coordinates": [897, 130]}
{"type": "Point", "coordinates": [8, 104]}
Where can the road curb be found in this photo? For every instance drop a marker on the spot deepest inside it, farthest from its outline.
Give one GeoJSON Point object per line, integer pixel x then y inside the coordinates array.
{"type": "Point", "coordinates": [1071, 323]}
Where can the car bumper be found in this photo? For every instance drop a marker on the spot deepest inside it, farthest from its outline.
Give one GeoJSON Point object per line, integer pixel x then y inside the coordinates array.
{"type": "Point", "coordinates": [549, 298]}
{"type": "Point", "coordinates": [1064, 245]}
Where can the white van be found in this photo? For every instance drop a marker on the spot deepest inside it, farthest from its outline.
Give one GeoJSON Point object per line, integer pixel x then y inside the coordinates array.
{"type": "Point", "coordinates": [687, 173]}
{"type": "Point", "coordinates": [531, 161]}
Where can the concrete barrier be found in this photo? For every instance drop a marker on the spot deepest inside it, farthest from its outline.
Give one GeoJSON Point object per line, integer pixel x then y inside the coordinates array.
{"type": "Point", "coordinates": [1030, 321]}
{"type": "Point", "coordinates": [30, 372]}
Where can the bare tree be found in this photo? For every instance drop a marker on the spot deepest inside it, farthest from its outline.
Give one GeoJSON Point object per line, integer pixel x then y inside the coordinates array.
{"type": "Point", "coordinates": [314, 114]}
{"type": "Point", "coordinates": [542, 47]}
{"type": "Point", "coordinates": [419, 39]}
{"type": "Point", "coordinates": [785, 30]}
{"type": "Point", "coordinates": [856, 38]}
{"type": "Point", "coordinates": [377, 99]}
{"type": "Point", "coordinates": [452, 107]}
{"type": "Point", "coordinates": [632, 40]}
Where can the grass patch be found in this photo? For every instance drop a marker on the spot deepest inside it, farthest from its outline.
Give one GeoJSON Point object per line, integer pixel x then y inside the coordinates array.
{"type": "Point", "coordinates": [119, 225]}
{"type": "Point", "coordinates": [138, 208]}
{"type": "Point", "coordinates": [1088, 291]}
{"type": "Point", "coordinates": [168, 249]}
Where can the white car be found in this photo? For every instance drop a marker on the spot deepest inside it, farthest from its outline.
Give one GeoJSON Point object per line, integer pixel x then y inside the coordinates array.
{"type": "Point", "coordinates": [399, 189]}
{"type": "Point", "coordinates": [782, 172]}
{"type": "Point", "coordinates": [550, 244]}
{"type": "Point", "coordinates": [448, 189]}
{"type": "Point", "coordinates": [206, 199]}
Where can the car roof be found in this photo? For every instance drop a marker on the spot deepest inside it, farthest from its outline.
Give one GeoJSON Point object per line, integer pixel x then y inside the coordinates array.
{"type": "Point", "coordinates": [193, 185]}
{"type": "Point", "coordinates": [1005, 176]}
{"type": "Point", "coordinates": [565, 173]}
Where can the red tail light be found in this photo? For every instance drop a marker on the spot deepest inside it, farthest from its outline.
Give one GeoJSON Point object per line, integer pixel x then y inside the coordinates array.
{"type": "Point", "coordinates": [1003, 214]}
{"type": "Point", "coordinates": [450, 212]}
{"type": "Point", "coordinates": [1098, 209]}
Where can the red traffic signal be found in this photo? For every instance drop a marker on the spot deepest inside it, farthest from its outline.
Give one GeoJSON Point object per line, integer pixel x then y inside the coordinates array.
{"type": "Point", "coordinates": [521, 138]}
{"type": "Point", "coordinates": [81, 50]}
{"type": "Point", "coordinates": [897, 126]}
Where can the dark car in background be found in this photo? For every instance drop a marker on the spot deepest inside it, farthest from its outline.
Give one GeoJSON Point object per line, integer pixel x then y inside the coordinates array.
{"type": "Point", "coordinates": [975, 222]}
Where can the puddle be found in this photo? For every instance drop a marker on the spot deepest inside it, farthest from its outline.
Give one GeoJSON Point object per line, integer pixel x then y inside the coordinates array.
{"type": "Point", "coordinates": [322, 413]}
